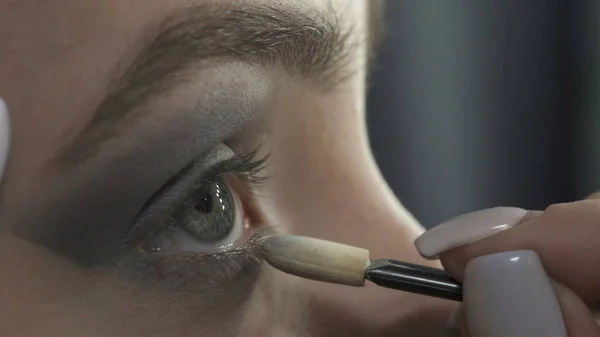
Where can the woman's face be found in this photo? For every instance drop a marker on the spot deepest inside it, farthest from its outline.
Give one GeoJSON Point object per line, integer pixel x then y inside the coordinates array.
{"type": "Point", "coordinates": [150, 135]}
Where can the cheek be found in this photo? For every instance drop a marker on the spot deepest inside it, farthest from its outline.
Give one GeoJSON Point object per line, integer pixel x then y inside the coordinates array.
{"type": "Point", "coordinates": [278, 306]}
{"type": "Point", "coordinates": [68, 301]}
{"type": "Point", "coordinates": [133, 310]}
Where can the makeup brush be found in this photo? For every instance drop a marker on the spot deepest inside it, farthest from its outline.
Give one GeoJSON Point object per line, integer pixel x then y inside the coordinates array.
{"type": "Point", "coordinates": [333, 262]}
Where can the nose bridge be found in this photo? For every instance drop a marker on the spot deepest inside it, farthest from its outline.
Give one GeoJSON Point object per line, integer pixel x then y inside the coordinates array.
{"type": "Point", "coordinates": [326, 184]}
{"type": "Point", "coordinates": [355, 206]}
{"type": "Point", "coordinates": [338, 193]}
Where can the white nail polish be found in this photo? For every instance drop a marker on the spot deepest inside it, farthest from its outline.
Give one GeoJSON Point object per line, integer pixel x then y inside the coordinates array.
{"type": "Point", "coordinates": [466, 229]}
{"type": "Point", "coordinates": [4, 136]}
{"type": "Point", "coordinates": [509, 294]}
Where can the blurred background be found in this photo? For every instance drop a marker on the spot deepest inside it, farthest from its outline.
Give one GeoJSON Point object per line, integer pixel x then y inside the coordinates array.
{"type": "Point", "coordinates": [481, 103]}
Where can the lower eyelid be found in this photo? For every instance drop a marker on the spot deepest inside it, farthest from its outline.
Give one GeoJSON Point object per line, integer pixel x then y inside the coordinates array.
{"type": "Point", "coordinates": [239, 268]}
{"type": "Point", "coordinates": [212, 275]}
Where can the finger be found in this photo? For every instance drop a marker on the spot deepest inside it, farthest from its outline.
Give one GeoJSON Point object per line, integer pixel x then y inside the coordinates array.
{"type": "Point", "coordinates": [594, 196]}
{"type": "Point", "coordinates": [468, 228]}
{"type": "Point", "coordinates": [579, 321]}
{"type": "Point", "coordinates": [509, 294]}
{"type": "Point", "coordinates": [577, 317]}
{"type": "Point", "coordinates": [4, 136]}
{"type": "Point", "coordinates": [566, 236]}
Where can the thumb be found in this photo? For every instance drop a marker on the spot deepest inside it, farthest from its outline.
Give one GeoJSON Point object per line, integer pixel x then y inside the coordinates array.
{"type": "Point", "coordinates": [507, 289]}
{"type": "Point", "coordinates": [509, 294]}
{"type": "Point", "coordinates": [576, 315]}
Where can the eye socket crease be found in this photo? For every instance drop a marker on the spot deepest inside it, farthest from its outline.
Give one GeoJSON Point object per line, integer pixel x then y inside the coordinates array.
{"type": "Point", "coordinates": [309, 45]}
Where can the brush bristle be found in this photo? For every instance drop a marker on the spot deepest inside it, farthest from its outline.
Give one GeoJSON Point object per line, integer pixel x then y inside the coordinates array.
{"type": "Point", "coordinates": [316, 259]}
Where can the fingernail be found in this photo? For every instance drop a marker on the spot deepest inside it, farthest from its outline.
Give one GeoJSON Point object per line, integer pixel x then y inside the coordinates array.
{"type": "Point", "coordinates": [466, 229]}
{"type": "Point", "coordinates": [4, 135]}
{"type": "Point", "coordinates": [509, 294]}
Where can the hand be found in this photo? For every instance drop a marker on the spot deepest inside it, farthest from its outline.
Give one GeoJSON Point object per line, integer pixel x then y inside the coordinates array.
{"type": "Point", "coordinates": [524, 273]}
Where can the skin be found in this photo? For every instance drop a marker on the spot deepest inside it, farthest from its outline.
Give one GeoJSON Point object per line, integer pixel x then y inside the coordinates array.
{"type": "Point", "coordinates": [56, 58]}
{"type": "Point", "coordinates": [562, 234]}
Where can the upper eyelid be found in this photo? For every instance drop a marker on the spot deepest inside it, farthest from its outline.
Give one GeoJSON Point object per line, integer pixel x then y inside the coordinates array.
{"type": "Point", "coordinates": [248, 163]}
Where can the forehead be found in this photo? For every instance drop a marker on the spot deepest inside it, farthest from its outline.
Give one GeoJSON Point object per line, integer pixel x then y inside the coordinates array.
{"type": "Point", "coordinates": [57, 59]}
{"type": "Point", "coordinates": [64, 51]}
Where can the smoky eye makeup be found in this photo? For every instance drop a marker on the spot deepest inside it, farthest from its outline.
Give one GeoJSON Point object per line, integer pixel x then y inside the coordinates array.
{"type": "Point", "coordinates": [200, 225]}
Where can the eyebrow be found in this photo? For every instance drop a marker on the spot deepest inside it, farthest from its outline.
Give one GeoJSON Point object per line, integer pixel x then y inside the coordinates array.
{"type": "Point", "coordinates": [308, 45]}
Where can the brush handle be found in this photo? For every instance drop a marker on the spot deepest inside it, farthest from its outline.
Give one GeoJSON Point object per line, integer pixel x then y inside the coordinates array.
{"type": "Point", "coordinates": [414, 278]}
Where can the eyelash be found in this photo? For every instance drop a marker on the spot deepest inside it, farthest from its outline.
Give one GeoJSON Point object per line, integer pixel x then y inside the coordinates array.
{"type": "Point", "coordinates": [246, 165]}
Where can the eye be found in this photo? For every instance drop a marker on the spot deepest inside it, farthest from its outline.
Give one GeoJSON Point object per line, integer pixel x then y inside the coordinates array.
{"type": "Point", "coordinates": [211, 219]}
{"type": "Point", "coordinates": [210, 215]}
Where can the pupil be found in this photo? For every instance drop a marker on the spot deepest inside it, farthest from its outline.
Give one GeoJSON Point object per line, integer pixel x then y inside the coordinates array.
{"type": "Point", "coordinates": [205, 205]}
{"type": "Point", "coordinates": [209, 215]}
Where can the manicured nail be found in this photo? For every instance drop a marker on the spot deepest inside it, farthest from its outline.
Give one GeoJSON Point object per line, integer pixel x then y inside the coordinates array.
{"type": "Point", "coordinates": [510, 294]}
{"type": "Point", "coordinates": [4, 136]}
{"type": "Point", "coordinates": [467, 229]}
